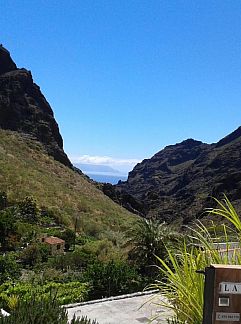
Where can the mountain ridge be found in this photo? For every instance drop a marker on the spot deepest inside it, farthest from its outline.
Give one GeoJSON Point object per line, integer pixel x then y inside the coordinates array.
{"type": "Point", "coordinates": [179, 181]}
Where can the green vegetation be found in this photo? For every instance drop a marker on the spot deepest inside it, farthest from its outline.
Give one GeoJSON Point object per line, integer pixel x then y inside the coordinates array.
{"type": "Point", "coordinates": [112, 279]}
{"type": "Point", "coordinates": [90, 268]}
{"type": "Point", "coordinates": [26, 170]}
{"type": "Point", "coordinates": [67, 205]}
{"type": "Point", "coordinates": [65, 293]}
{"type": "Point", "coordinates": [9, 269]}
{"type": "Point", "coordinates": [182, 286]}
{"type": "Point", "coordinates": [40, 311]}
{"type": "Point", "coordinates": [108, 250]}
{"type": "Point", "coordinates": [96, 262]}
{"type": "Point", "coordinates": [149, 238]}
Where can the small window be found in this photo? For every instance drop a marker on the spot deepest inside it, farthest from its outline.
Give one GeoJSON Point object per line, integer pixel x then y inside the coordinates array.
{"type": "Point", "coordinates": [58, 246]}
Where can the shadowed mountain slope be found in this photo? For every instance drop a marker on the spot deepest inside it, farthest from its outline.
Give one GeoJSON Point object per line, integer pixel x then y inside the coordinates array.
{"type": "Point", "coordinates": [178, 181]}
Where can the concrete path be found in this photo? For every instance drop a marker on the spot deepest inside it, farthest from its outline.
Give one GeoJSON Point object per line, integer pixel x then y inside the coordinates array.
{"type": "Point", "coordinates": [128, 309]}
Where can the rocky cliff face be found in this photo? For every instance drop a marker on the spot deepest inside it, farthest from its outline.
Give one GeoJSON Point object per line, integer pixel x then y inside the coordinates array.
{"type": "Point", "coordinates": [23, 108]}
{"type": "Point", "coordinates": [178, 181]}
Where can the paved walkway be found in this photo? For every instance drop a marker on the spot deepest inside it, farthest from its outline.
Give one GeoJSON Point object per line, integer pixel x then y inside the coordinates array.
{"type": "Point", "coordinates": [129, 309]}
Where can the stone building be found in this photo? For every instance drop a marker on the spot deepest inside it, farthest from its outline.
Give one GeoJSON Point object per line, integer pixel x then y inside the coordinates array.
{"type": "Point", "coordinates": [56, 244]}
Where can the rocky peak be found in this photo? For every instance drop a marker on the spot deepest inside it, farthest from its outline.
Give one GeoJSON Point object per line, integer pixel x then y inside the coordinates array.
{"type": "Point", "coordinates": [23, 108]}
{"type": "Point", "coordinates": [6, 62]}
{"type": "Point", "coordinates": [179, 153]}
{"type": "Point", "coordinates": [190, 142]}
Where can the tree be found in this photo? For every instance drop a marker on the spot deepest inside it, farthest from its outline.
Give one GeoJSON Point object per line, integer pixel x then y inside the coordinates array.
{"type": "Point", "coordinates": [149, 239]}
{"type": "Point", "coordinates": [27, 233]}
{"type": "Point", "coordinates": [7, 228]}
{"type": "Point", "coordinates": [34, 254]}
{"type": "Point", "coordinates": [69, 237]}
{"type": "Point", "coordinates": [29, 210]}
{"type": "Point", "coordinates": [112, 278]}
{"type": "Point", "coordinates": [9, 269]}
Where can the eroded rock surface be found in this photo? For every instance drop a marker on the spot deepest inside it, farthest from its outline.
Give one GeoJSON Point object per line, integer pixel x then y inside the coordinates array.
{"type": "Point", "coordinates": [179, 181]}
{"type": "Point", "coordinates": [23, 108]}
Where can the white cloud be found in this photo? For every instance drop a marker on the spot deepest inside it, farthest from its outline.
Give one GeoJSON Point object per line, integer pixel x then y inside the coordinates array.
{"type": "Point", "coordinates": [124, 165]}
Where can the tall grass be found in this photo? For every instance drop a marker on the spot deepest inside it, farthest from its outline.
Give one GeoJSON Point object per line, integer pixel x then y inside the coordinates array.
{"type": "Point", "coordinates": [26, 170]}
{"type": "Point", "coordinates": [182, 286]}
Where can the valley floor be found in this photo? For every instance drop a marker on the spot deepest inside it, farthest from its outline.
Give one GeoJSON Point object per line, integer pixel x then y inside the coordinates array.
{"type": "Point", "coordinates": [128, 309]}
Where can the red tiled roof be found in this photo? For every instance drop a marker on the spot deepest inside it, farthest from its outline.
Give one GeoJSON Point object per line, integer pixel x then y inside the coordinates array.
{"type": "Point", "coordinates": [53, 240]}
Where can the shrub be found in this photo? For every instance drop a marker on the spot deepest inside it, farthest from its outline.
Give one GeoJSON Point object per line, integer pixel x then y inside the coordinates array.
{"type": "Point", "coordinates": [65, 293]}
{"type": "Point", "coordinates": [9, 268]}
{"type": "Point", "coordinates": [36, 311]}
{"type": "Point", "coordinates": [34, 254]}
{"type": "Point", "coordinates": [111, 279]}
{"type": "Point", "coordinates": [26, 232]}
{"type": "Point", "coordinates": [69, 237]}
{"type": "Point", "coordinates": [7, 228]}
{"type": "Point", "coordinates": [29, 210]}
{"type": "Point", "coordinates": [89, 253]}
{"type": "Point", "coordinates": [47, 216]}
{"type": "Point", "coordinates": [75, 261]}
{"type": "Point", "coordinates": [102, 250]}
{"type": "Point", "coordinates": [41, 311]}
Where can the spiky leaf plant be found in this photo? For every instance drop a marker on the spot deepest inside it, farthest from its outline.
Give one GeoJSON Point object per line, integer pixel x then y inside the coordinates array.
{"type": "Point", "coordinates": [44, 311]}
{"type": "Point", "coordinates": [182, 286]}
{"type": "Point", "coordinates": [148, 238]}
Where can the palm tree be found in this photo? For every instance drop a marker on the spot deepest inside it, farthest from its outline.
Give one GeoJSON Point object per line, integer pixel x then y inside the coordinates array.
{"type": "Point", "coordinates": [148, 239]}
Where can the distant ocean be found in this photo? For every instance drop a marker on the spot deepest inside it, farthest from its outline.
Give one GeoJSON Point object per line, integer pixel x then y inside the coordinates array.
{"type": "Point", "coordinates": [113, 179]}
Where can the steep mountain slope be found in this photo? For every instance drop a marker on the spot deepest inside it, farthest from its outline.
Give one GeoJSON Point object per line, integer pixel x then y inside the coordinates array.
{"type": "Point", "coordinates": [178, 181]}
{"type": "Point", "coordinates": [27, 170]}
{"type": "Point", "coordinates": [33, 162]}
{"type": "Point", "coordinates": [23, 108]}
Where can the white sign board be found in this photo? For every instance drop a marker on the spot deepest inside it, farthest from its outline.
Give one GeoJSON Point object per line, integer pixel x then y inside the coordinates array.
{"type": "Point", "coordinates": [230, 288]}
{"type": "Point", "coordinates": [231, 317]}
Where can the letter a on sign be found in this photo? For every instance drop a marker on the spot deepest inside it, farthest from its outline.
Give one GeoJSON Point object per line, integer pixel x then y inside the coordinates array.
{"type": "Point", "coordinates": [235, 289]}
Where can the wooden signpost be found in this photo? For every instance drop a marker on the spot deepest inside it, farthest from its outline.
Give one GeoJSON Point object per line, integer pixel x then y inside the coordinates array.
{"type": "Point", "coordinates": [222, 294]}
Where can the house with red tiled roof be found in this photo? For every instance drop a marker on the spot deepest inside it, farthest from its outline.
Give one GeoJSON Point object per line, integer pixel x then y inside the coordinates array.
{"type": "Point", "coordinates": [55, 244]}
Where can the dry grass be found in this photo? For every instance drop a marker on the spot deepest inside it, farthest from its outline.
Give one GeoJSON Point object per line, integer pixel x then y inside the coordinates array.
{"type": "Point", "coordinates": [26, 170]}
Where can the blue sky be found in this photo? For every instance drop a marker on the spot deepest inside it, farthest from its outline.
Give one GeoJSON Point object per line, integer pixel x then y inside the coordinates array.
{"type": "Point", "coordinates": [126, 78]}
